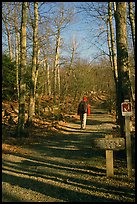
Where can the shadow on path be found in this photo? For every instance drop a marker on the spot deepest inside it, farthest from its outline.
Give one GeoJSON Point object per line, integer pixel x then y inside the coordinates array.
{"type": "Point", "coordinates": [65, 167]}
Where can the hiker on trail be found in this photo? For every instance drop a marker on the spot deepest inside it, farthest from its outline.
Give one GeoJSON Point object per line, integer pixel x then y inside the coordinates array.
{"type": "Point", "coordinates": [83, 111]}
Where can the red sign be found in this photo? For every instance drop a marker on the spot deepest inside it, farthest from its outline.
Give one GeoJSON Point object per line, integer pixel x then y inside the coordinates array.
{"type": "Point", "coordinates": [126, 108]}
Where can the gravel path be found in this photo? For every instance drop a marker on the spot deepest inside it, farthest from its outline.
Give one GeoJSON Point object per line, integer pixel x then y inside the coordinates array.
{"type": "Point", "coordinates": [62, 167]}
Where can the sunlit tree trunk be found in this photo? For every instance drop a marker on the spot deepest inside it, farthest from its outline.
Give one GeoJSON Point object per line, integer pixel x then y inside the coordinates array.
{"type": "Point", "coordinates": [44, 87]}
{"type": "Point", "coordinates": [17, 45]}
{"type": "Point", "coordinates": [113, 46]}
{"type": "Point", "coordinates": [22, 71]}
{"type": "Point", "coordinates": [109, 45]}
{"type": "Point", "coordinates": [113, 52]}
{"type": "Point", "coordinates": [34, 70]}
{"type": "Point", "coordinates": [58, 80]}
{"type": "Point", "coordinates": [74, 47]}
{"type": "Point", "coordinates": [56, 66]}
{"type": "Point", "coordinates": [17, 62]}
{"type": "Point", "coordinates": [48, 80]}
{"type": "Point", "coordinates": [124, 85]}
{"type": "Point", "coordinates": [47, 83]}
{"type": "Point", "coordinates": [132, 22]}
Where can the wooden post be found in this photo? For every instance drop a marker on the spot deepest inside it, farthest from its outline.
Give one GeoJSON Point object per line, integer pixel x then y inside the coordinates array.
{"type": "Point", "coordinates": [109, 160]}
{"type": "Point", "coordinates": [128, 145]}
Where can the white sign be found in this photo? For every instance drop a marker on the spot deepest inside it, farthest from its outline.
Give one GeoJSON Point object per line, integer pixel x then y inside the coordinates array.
{"type": "Point", "coordinates": [116, 143]}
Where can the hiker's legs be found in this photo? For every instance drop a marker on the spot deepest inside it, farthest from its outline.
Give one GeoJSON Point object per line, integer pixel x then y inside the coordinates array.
{"type": "Point", "coordinates": [84, 120]}
{"type": "Point", "coordinates": [81, 120]}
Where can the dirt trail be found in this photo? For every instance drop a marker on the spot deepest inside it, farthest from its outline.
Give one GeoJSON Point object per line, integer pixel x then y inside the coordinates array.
{"type": "Point", "coordinates": [62, 167]}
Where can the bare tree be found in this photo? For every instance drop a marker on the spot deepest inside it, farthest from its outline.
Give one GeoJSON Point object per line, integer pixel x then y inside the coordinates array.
{"type": "Point", "coordinates": [132, 22]}
{"type": "Point", "coordinates": [124, 85]}
{"type": "Point", "coordinates": [34, 70]}
{"type": "Point", "coordinates": [48, 79]}
{"type": "Point", "coordinates": [7, 24]}
{"type": "Point", "coordinates": [69, 71]}
{"type": "Point", "coordinates": [109, 44]}
{"type": "Point", "coordinates": [17, 43]}
{"type": "Point", "coordinates": [113, 54]}
{"type": "Point", "coordinates": [56, 74]}
{"type": "Point", "coordinates": [22, 71]}
{"type": "Point", "coordinates": [61, 20]}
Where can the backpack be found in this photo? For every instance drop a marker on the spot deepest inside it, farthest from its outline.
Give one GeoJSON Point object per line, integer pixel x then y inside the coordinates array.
{"type": "Point", "coordinates": [82, 107]}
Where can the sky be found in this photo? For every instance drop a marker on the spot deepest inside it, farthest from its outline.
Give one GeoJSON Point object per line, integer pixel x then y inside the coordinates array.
{"type": "Point", "coordinates": [81, 30]}
{"type": "Point", "coordinates": [84, 36]}
{"type": "Point", "coordinates": [84, 32]}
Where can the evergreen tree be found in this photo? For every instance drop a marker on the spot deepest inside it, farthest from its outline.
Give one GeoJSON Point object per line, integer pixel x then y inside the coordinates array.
{"type": "Point", "coordinates": [8, 78]}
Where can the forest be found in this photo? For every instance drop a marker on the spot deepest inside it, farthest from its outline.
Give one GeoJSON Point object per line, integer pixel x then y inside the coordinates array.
{"type": "Point", "coordinates": [34, 70]}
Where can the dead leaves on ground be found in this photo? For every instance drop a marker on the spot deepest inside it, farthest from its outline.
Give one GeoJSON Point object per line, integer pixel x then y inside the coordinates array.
{"type": "Point", "coordinates": [7, 148]}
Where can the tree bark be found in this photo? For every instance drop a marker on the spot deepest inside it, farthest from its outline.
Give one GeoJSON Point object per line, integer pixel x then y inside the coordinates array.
{"type": "Point", "coordinates": [16, 49]}
{"type": "Point", "coordinates": [56, 66]}
{"type": "Point", "coordinates": [114, 58]}
{"type": "Point", "coordinates": [124, 85]}
{"type": "Point", "coordinates": [47, 84]}
{"type": "Point", "coordinates": [132, 22]}
{"type": "Point", "coordinates": [34, 70]}
{"type": "Point", "coordinates": [22, 85]}
{"type": "Point", "coordinates": [109, 45]}
{"type": "Point", "coordinates": [48, 80]}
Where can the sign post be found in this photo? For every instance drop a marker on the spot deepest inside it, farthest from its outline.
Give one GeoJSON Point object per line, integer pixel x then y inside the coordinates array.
{"type": "Point", "coordinates": [109, 160]}
{"type": "Point", "coordinates": [126, 111]}
{"type": "Point", "coordinates": [109, 144]}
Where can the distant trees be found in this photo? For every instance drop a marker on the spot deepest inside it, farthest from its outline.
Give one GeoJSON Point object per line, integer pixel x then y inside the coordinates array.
{"type": "Point", "coordinates": [69, 69]}
{"type": "Point", "coordinates": [86, 78]}
{"type": "Point", "coordinates": [62, 19]}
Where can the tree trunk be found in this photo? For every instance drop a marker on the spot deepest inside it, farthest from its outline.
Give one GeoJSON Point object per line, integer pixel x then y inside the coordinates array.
{"type": "Point", "coordinates": [58, 80]}
{"type": "Point", "coordinates": [16, 50]}
{"type": "Point", "coordinates": [44, 87]}
{"type": "Point", "coordinates": [56, 66]}
{"type": "Point", "coordinates": [69, 73]}
{"type": "Point", "coordinates": [17, 62]}
{"type": "Point", "coordinates": [124, 85]}
{"type": "Point", "coordinates": [34, 70]}
{"type": "Point", "coordinates": [22, 85]}
{"type": "Point", "coordinates": [48, 80]}
{"type": "Point", "coordinates": [132, 22]}
{"type": "Point", "coordinates": [109, 45]}
{"type": "Point", "coordinates": [114, 58]}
